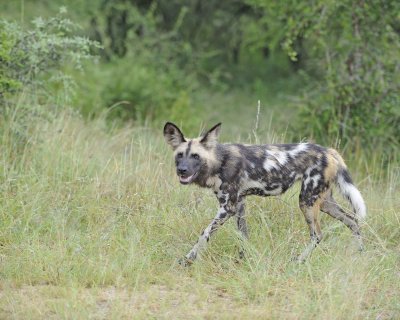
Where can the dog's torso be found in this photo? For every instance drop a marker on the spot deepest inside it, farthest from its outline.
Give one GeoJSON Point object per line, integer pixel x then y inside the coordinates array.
{"type": "Point", "coordinates": [269, 170]}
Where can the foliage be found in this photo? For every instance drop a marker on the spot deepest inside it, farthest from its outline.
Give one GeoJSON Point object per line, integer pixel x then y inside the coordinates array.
{"type": "Point", "coordinates": [34, 81]}
{"type": "Point", "coordinates": [131, 88]}
{"type": "Point", "coordinates": [7, 83]}
{"type": "Point", "coordinates": [194, 34]}
{"type": "Point", "coordinates": [353, 47]}
{"type": "Point", "coordinates": [142, 77]}
{"type": "Point", "coordinates": [157, 54]}
{"type": "Point", "coordinates": [34, 58]}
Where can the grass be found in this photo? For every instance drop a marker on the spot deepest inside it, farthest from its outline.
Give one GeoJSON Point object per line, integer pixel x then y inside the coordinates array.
{"type": "Point", "coordinates": [94, 220]}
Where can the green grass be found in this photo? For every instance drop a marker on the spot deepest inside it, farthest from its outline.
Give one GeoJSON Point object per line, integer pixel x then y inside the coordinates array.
{"type": "Point", "coordinates": [94, 220]}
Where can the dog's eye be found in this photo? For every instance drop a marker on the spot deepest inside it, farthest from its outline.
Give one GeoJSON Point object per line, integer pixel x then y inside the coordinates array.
{"type": "Point", "coordinates": [195, 156]}
{"type": "Point", "coordinates": [179, 155]}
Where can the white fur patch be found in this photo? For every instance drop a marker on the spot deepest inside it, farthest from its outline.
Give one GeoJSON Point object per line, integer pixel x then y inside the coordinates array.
{"type": "Point", "coordinates": [306, 181]}
{"type": "Point", "coordinates": [270, 164]}
{"type": "Point", "coordinates": [309, 178]}
{"type": "Point", "coordinates": [275, 159]}
{"type": "Point", "coordinates": [281, 157]}
{"type": "Point", "coordinates": [356, 199]}
{"type": "Point", "coordinates": [300, 147]}
{"type": "Point", "coordinates": [315, 180]}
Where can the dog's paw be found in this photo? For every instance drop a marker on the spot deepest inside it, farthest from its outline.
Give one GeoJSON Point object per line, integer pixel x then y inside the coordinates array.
{"type": "Point", "coordinates": [185, 262]}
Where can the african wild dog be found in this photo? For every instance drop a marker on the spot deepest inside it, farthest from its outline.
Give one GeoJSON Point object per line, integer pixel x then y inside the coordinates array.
{"type": "Point", "coordinates": [235, 171]}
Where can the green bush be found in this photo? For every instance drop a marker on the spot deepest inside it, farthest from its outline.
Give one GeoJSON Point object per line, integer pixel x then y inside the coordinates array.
{"type": "Point", "coordinates": [8, 83]}
{"type": "Point", "coordinates": [131, 88]}
{"type": "Point", "coordinates": [34, 58]}
{"type": "Point", "coordinates": [145, 74]}
{"type": "Point", "coordinates": [34, 83]}
{"type": "Point", "coordinates": [350, 51]}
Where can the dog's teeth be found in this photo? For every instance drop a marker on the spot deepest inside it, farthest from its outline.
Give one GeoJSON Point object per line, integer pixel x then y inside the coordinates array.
{"type": "Point", "coordinates": [187, 179]}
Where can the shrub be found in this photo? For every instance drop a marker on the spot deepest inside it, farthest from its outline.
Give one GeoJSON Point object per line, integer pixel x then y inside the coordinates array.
{"type": "Point", "coordinates": [145, 75]}
{"type": "Point", "coordinates": [132, 89]}
{"type": "Point", "coordinates": [33, 77]}
{"type": "Point", "coordinates": [351, 50]}
{"type": "Point", "coordinates": [34, 59]}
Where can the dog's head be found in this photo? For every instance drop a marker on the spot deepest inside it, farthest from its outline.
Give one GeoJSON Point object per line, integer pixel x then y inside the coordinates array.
{"type": "Point", "coordinates": [193, 157]}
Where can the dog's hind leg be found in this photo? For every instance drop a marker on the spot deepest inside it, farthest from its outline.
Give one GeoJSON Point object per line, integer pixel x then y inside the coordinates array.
{"type": "Point", "coordinates": [311, 214]}
{"type": "Point", "coordinates": [331, 207]}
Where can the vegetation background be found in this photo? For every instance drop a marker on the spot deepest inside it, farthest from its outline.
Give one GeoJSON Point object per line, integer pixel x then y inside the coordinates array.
{"type": "Point", "coordinates": [93, 219]}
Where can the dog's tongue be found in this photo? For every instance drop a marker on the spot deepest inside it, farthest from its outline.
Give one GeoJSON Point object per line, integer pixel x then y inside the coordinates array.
{"type": "Point", "coordinates": [185, 179]}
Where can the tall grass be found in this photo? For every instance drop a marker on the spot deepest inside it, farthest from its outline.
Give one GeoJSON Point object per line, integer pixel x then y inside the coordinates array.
{"type": "Point", "coordinates": [93, 221]}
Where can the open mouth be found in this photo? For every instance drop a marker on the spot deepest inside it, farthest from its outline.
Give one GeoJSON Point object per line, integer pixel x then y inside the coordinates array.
{"type": "Point", "coordinates": [188, 179]}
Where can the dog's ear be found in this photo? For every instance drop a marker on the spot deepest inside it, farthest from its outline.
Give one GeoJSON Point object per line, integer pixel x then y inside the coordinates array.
{"type": "Point", "coordinates": [210, 138]}
{"type": "Point", "coordinates": [173, 136]}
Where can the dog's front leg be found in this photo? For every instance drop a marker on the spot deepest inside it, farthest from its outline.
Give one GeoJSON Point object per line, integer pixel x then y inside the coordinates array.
{"type": "Point", "coordinates": [242, 226]}
{"type": "Point", "coordinates": [224, 213]}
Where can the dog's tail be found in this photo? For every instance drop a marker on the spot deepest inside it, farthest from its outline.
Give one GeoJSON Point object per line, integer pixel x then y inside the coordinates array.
{"type": "Point", "coordinates": [346, 187]}
{"type": "Point", "coordinates": [351, 193]}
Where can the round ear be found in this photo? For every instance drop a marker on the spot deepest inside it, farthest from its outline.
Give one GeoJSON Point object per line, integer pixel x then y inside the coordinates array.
{"type": "Point", "coordinates": [173, 135]}
{"type": "Point", "coordinates": [210, 139]}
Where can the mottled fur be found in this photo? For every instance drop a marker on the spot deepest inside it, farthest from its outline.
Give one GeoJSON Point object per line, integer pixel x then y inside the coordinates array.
{"type": "Point", "coordinates": [235, 171]}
